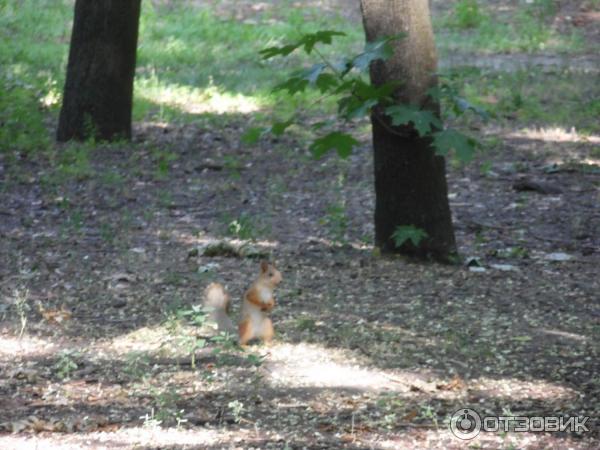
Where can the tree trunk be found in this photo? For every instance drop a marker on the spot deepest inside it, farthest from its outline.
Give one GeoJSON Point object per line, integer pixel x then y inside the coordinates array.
{"type": "Point", "coordinates": [410, 179]}
{"type": "Point", "coordinates": [98, 92]}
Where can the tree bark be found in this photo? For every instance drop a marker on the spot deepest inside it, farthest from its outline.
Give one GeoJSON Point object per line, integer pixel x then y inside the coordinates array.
{"type": "Point", "coordinates": [98, 93]}
{"type": "Point", "coordinates": [410, 179]}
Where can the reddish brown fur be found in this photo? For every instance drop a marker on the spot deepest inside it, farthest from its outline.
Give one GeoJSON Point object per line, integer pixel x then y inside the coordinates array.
{"type": "Point", "coordinates": [245, 331]}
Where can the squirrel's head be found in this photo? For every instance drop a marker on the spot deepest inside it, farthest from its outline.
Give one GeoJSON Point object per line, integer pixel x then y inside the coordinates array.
{"type": "Point", "coordinates": [269, 273]}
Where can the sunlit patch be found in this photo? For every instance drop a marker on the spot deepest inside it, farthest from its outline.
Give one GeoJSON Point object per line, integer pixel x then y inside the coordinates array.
{"type": "Point", "coordinates": [194, 100]}
{"type": "Point", "coordinates": [202, 241]}
{"type": "Point", "coordinates": [130, 438]}
{"type": "Point", "coordinates": [11, 347]}
{"type": "Point", "coordinates": [52, 98]}
{"type": "Point", "coordinates": [555, 134]}
{"type": "Point", "coordinates": [516, 389]}
{"type": "Point", "coordinates": [141, 340]}
{"type": "Point", "coordinates": [304, 365]}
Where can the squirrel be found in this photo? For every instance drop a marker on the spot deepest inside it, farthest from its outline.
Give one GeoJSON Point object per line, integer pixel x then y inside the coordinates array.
{"type": "Point", "coordinates": [257, 303]}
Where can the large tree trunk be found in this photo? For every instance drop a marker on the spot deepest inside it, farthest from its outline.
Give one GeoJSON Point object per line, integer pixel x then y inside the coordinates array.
{"type": "Point", "coordinates": [98, 92]}
{"type": "Point", "coordinates": [410, 179]}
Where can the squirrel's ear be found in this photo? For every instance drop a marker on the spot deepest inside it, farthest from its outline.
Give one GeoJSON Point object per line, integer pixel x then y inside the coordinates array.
{"type": "Point", "coordinates": [264, 266]}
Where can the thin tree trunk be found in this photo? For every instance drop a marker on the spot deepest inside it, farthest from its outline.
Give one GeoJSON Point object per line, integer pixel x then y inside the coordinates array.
{"type": "Point", "coordinates": [410, 179]}
{"type": "Point", "coordinates": [98, 92]}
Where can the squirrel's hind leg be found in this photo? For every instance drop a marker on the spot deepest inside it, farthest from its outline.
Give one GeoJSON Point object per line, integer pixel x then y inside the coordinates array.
{"type": "Point", "coordinates": [267, 330]}
{"type": "Point", "coordinates": [245, 331]}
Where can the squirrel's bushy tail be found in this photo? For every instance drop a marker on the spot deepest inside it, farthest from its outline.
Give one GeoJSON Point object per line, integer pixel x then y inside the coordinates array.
{"type": "Point", "coordinates": [216, 296]}
{"type": "Point", "coordinates": [216, 299]}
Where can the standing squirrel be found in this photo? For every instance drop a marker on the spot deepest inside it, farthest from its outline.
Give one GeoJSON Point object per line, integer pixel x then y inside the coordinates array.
{"type": "Point", "coordinates": [257, 303]}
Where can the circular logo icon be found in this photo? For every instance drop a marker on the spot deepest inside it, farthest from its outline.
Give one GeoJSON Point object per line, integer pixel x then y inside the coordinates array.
{"type": "Point", "coordinates": [465, 424]}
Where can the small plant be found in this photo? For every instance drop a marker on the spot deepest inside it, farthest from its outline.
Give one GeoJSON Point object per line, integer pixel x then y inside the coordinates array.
{"type": "Point", "coordinates": [150, 421]}
{"type": "Point", "coordinates": [190, 343]}
{"type": "Point", "coordinates": [73, 163]}
{"type": "Point", "coordinates": [336, 221]}
{"type": "Point", "coordinates": [166, 406]}
{"type": "Point", "coordinates": [66, 363]}
{"type": "Point", "coordinates": [163, 160]}
{"type": "Point", "coordinates": [236, 408]}
{"type": "Point", "coordinates": [404, 233]}
{"type": "Point", "coordinates": [427, 412]}
{"type": "Point", "coordinates": [244, 227]}
{"type": "Point", "coordinates": [137, 364]}
{"type": "Point", "coordinates": [22, 307]}
{"type": "Point", "coordinates": [467, 14]}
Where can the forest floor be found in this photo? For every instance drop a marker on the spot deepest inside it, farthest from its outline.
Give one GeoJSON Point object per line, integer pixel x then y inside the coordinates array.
{"type": "Point", "coordinates": [102, 257]}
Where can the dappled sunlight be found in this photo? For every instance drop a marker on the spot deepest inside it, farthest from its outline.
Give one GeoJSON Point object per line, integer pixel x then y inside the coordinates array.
{"type": "Point", "coordinates": [515, 389]}
{"type": "Point", "coordinates": [129, 438]}
{"type": "Point", "coordinates": [202, 240]}
{"type": "Point", "coordinates": [144, 339]}
{"type": "Point", "coordinates": [193, 100]}
{"type": "Point", "coordinates": [25, 347]}
{"type": "Point", "coordinates": [310, 365]}
{"type": "Point", "coordinates": [442, 438]}
{"type": "Point", "coordinates": [555, 134]}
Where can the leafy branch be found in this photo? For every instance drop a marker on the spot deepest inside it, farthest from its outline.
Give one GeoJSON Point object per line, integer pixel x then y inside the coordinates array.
{"type": "Point", "coordinates": [357, 98]}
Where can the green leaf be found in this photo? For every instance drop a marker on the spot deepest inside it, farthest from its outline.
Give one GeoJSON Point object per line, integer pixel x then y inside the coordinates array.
{"type": "Point", "coordinates": [379, 49]}
{"type": "Point", "coordinates": [343, 143]}
{"type": "Point", "coordinates": [271, 52]}
{"type": "Point", "coordinates": [405, 233]}
{"type": "Point", "coordinates": [252, 135]}
{"type": "Point", "coordinates": [462, 105]}
{"type": "Point", "coordinates": [293, 85]}
{"type": "Point", "coordinates": [312, 74]}
{"type": "Point", "coordinates": [452, 140]}
{"type": "Point", "coordinates": [326, 82]}
{"type": "Point", "coordinates": [424, 121]}
{"type": "Point", "coordinates": [324, 37]}
{"type": "Point", "coordinates": [351, 107]}
{"type": "Point", "coordinates": [278, 128]}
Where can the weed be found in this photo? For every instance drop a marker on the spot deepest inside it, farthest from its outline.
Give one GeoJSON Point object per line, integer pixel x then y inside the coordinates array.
{"type": "Point", "coordinates": [467, 14]}
{"type": "Point", "coordinates": [404, 233]}
{"type": "Point", "coordinates": [150, 421]}
{"type": "Point", "coordinates": [336, 222]}
{"type": "Point", "coordinates": [245, 227]}
{"type": "Point", "coordinates": [137, 364]}
{"type": "Point", "coordinates": [427, 412]}
{"type": "Point", "coordinates": [66, 363]}
{"type": "Point", "coordinates": [236, 408]}
{"type": "Point", "coordinates": [21, 298]}
{"type": "Point", "coordinates": [163, 160]}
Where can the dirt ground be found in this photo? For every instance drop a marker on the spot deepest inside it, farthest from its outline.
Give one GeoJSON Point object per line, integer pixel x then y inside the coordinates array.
{"type": "Point", "coordinates": [371, 352]}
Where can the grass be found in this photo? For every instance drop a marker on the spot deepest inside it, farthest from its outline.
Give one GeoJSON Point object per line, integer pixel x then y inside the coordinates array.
{"type": "Point", "coordinates": [473, 27]}
{"type": "Point", "coordinates": [524, 96]}
{"type": "Point", "coordinates": [202, 64]}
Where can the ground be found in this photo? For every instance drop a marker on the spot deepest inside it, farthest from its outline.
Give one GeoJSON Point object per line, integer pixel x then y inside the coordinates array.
{"type": "Point", "coordinates": [103, 253]}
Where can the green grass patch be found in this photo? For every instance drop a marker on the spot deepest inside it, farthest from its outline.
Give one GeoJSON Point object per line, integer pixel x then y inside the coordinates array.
{"type": "Point", "coordinates": [566, 100]}
{"type": "Point", "coordinates": [472, 27]}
